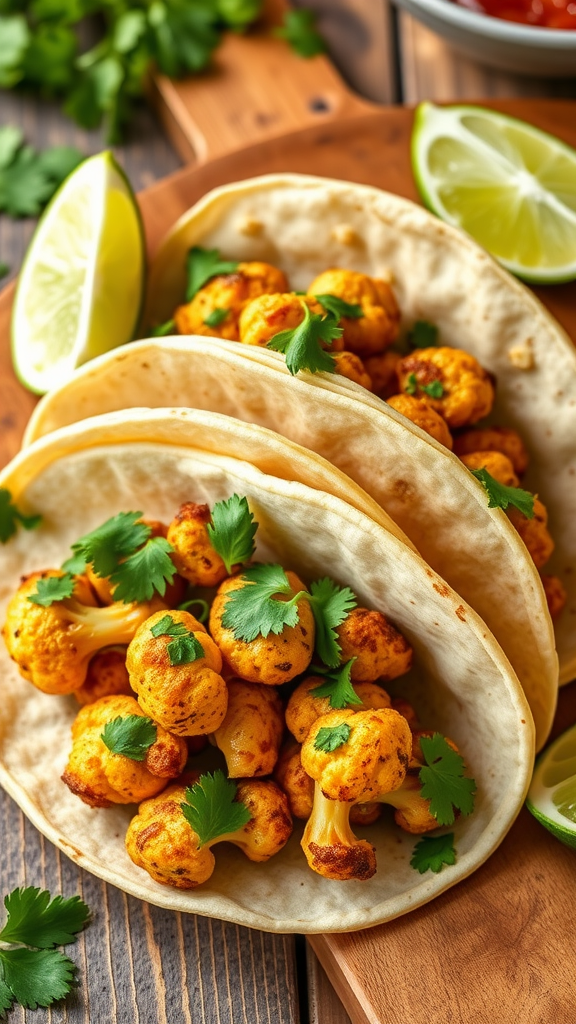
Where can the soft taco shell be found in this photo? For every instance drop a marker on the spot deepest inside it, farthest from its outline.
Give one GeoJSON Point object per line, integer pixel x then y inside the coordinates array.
{"type": "Point", "coordinates": [461, 684]}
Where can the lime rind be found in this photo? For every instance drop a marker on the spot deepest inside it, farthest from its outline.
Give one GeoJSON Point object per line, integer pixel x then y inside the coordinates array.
{"type": "Point", "coordinates": [552, 794]}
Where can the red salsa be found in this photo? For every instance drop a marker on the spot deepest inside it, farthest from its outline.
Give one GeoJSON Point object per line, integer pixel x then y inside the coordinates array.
{"type": "Point", "coordinates": [545, 13]}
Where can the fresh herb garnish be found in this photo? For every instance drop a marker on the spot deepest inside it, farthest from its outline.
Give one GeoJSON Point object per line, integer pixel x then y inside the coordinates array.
{"type": "Point", "coordinates": [302, 345]}
{"type": "Point", "coordinates": [29, 179]}
{"type": "Point", "coordinates": [216, 317]}
{"type": "Point", "coordinates": [329, 738]}
{"type": "Point", "coordinates": [423, 335]}
{"type": "Point", "coordinates": [202, 265]}
{"type": "Point", "coordinates": [330, 606]}
{"type": "Point", "coordinates": [211, 807]}
{"type": "Point", "coordinates": [338, 687]}
{"type": "Point", "coordinates": [232, 530]}
{"type": "Point", "coordinates": [10, 516]}
{"type": "Point", "coordinates": [300, 32]}
{"type": "Point", "coordinates": [145, 572]}
{"type": "Point", "coordinates": [431, 853]}
{"type": "Point", "coordinates": [39, 976]}
{"type": "Point", "coordinates": [443, 781]}
{"type": "Point", "coordinates": [51, 589]}
{"type": "Point", "coordinates": [339, 308]}
{"type": "Point", "coordinates": [130, 735]}
{"type": "Point", "coordinates": [4, 270]}
{"type": "Point", "coordinates": [163, 329]}
{"type": "Point", "coordinates": [500, 496]}
{"type": "Point", "coordinates": [435, 389]}
{"type": "Point", "coordinates": [184, 648]}
{"type": "Point", "coordinates": [252, 611]}
{"type": "Point", "coordinates": [411, 385]}
{"type": "Point", "coordinates": [204, 612]}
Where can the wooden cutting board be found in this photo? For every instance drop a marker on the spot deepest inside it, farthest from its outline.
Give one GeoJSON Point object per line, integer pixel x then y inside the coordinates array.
{"type": "Point", "coordinates": [500, 946]}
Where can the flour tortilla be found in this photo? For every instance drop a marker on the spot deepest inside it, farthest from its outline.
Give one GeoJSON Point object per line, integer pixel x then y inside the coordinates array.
{"type": "Point", "coordinates": [461, 683]}
{"type": "Point", "coordinates": [420, 484]}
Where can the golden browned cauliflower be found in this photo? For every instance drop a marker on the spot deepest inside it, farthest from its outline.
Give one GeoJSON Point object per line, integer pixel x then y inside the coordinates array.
{"type": "Point", "coordinates": [494, 439]}
{"type": "Point", "coordinates": [495, 463]}
{"type": "Point", "coordinates": [251, 733]}
{"type": "Point", "coordinates": [107, 675]}
{"type": "Point", "coordinates": [160, 839]}
{"type": "Point", "coordinates": [274, 659]}
{"type": "Point", "coordinates": [412, 811]}
{"type": "Point", "coordinates": [534, 532]}
{"type": "Point", "coordinates": [555, 595]}
{"type": "Point", "coordinates": [268, 315]}
{"type": "Point", "coordinates": [229, 292]}
{"type": "Point", "coordinates": [467, 391]}
{"type": "Point", "coordinates": [299, 788]}
{"type": "Point", "coordinates": [406, 710]}
{"type": "Point", "coordinates": [378, 326]}
{"type": "Point", "coordinates": [349, 365]}
{"type": "Point", "coordinates": [194, 557]}
{"type": "Point", "coordinates": [53, 645]}
{"type": "Point", "coordinates": [188, 698]}
{"type": "Point", "coordinates": [101, 778]}
{"type": "Point", "coordinates": [304, 707]}
{"type": "Point", "coordinates": [382, 372]}
{"type": "Point", "coordinates": [424, 416]}
{"type": "Point", "coordinates": [381, 652]}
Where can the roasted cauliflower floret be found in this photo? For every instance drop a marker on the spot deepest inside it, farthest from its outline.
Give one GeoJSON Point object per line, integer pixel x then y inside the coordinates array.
{"type": "Point", "coordinates": [188, 698]}
{"type": "Point", "coordinates": [270, 314]}
{"type": "Point", "coordinates": [274, 659]}
{"type": "Point", "coordinates": [381, 652]}
{"type": "Point", "coordinates": [382, 372]}
{"type": "Point", "coordinates": [378, 326]}
{"type": "Point", "coordinates": [555, 595]}
{"type": "Point", "coordinates": [494, 439]}
{"type": "Point", "coordinates": [101, 778]}
{"type": "Point", "coordinates": [107, 676]}
{"type": "Point", "coordinates": [299, 788]}
{"type": "Point", "coordinates": [349, 365]}
{"type": "Point", "coordinates": [194, 557]}
{"type": "Point", "coordinates": [467, 391]}
{"type": "Point", "coordinates": [251, 733]}
{"type": "Point", "coordinates": [498, 465]}
{"type": "Point", "coordinates": [304, 707]}
{"type": "Point", "coordinates": [424, 416]}
{"type": "Point", "coordinates": [534, 532]}
{"type": "Point", "coordinates": [53, 645]}
{"type": "Point", "coordinates": [229, 292]}
{"type": "Point", "coordinates": [160, 839]}
{"type": "Point", "coordinates": [411, 809]}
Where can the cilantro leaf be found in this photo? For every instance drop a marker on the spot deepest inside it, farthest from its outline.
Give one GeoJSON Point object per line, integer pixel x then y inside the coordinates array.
{"type": "Point", "coordinates": [107, 544]}
{"type": "Point", "coordinates": [411, 385]}
{"type": "Point", "coordinates": [211, 808]}
{"type": "Point", "coordinates": [302, 345]}
{"type": "Point", "coordinates": [11, 138]}
{"type": "Point", "coordinates": [299, 31]}
{"type": "Point", "coordinates": [129, 735]}
{"type": "Point", "coordinates": [146, 571]}
{"type": "Point", "coordinates": [435, 389]}
{"type": "Point", "coordinates": [51, 589]}
{"type": "Point", "coordinates": [202, 265]}
{"type": "Point", "coordinates": [338, 687]}
{"type": "Point", "coordinates": [431, 853]}
{"type": "Point", "coordinates": [330, 606]}
{"type": "Point", "coordinates": [37, 977]}
{"type": "Point", "coordinates": [232, 531]}
{"type": "Point", "coordinates": [331, 737]}
{"type": "Point", "coordinates": [239, 13]}
{"type": "Point", "coordinates": [500, 496]}
{"type": "Point", "coordinates": [185, 648]}
{"type": "Point", "coordinates": [10, 516]}
{"type": "Point", "coordinates": [163, 329]}
{"type": "Point", "coordinates": [37, 920]}
{"type": "Point", "coordinates": [216, 317]}
{"type": "Point", "coordinates": [251, 610]}
{"type": "Point", "coordinates": [443, 780]}
{"type": "Point", "coordinates": [423, 335]}
{"type": "Point", "coordinates": [339, 308]}
{"type": "Point", "coordinates": [14, 41]}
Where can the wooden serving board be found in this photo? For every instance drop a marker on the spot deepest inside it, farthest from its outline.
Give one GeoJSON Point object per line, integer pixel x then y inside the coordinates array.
{"type": "Point", "coordinates": [499, 947]}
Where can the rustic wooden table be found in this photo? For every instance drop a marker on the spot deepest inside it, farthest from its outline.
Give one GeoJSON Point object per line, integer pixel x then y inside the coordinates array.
{"type": "Point", "coordinates": [139, 964]}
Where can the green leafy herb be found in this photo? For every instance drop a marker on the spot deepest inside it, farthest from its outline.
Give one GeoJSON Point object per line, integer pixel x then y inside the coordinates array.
{"type": "Point", "coordinates": [232, 531]}
{"type": "Point", "coordinates": [39, 976]}
{"type": "Point", "coordinates": [423, 335]}
{"type": "Point", "coordinates": [500, 496]}
{"type": "Point", "coordinates": [338, 687]}
{"type": "Point", "coordinates": [339, 308]}
{"type": "Point", "coordinates": [107, 544]}
{"type": "Point", "coordinates": [239, 13]}
{"type": "Point", "coordinates": [146, 571]}
{"type": "Point", "coordinates": [129, 735]}
{"type": "Point", "coordinates": [299, 31]}
{"type": "Point", "coordinates": [51, 589]}
{"type": "Point", "coordinates": [443, 780]}
{"type": "Point", "coordinates": [163, 329]}
{"type": "Point", "coordinates": [331, 737]}
{"type": "Point", "coordinates": [302, 345]}
{"type": "Point", "coordinates": [4, 270]}
{"type": "Point", "coordinates": [29, 179]}
{"type": "Point", "coordinates": [10, 516]}
{"type": "Point", "coordinates": [431, 853]}
{"type": "Point", "coordinates": [411, 385]}
{"type": "Point", "coordinates": [202, 265]}
{"type": "Point", "coordinates": [185, 648]}
{"type": "Point", "coordinates": [330, 606]}
{"type": "Point", "coordinates": [253, 611]}
{"type": "Point", "coordinates": [435, 389]}
{"type": "Point", "coordinates": [216, 317]}
{"type": "Point", "coordinates": [211, 807]}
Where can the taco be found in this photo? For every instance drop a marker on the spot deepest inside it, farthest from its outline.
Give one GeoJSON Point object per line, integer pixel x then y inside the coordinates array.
{"type": "Point", "coordinates": [461, 684]}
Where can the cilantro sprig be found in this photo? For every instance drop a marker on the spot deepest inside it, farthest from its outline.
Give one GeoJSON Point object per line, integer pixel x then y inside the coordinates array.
{"type": "Point", "coordinates": [185, 647]}
{"type": "Point", "coordinates": [212, 809]}
{"type": "Point", "coordinates": [330, 606]}
{"type": "Point", "coordinates": [501, 496]}
{"type": "Point", "coordinates": [443, 781]}
{"type": "Point", "coordinates": [300, 32]}
{"type": "Point", "coordinates": [216, 317]}
{"type": "Point", "coordinates": [11, 516]}
{"type": "Point", "coordinates": [329, 738]}
{"type": "Point", "coordinates": [40, 975]}
{"type": "Point", "coordinates": [423, 335]}
{"type": "Point", "coordinates": [302, 345]}
{"type": "Point", "coordinates": [435, 389]}
{"type": "Point", "coordinates": [29, 179]}
{"type": "Point", "coordinates": [162, 330]}
{"type": "Point", "coordinates": [232, 531]}
{"type": "Point", "coordinates": [339, 307]}
{"type": "Point", "coordinates": [338, 687]}
{"type": "Point", "coordinates": [431, 853]}
{"type": "Point", "coordinates": [129, 735]}
{"type": "Point", "coordinates": [51, 589]}
{"type": "Point", "coordinates": [201, 266]}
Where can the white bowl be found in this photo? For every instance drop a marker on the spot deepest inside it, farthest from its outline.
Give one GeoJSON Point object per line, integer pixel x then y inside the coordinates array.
{"type": "Point", "coordinates": [503, 44]}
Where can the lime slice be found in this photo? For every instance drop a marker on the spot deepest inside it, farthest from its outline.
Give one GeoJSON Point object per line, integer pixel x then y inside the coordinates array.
{"type": "Point", "coordinates": [509, 185]}
{"type": "Point", "coordinates": [552, 794]}
{"type": "Point", "coordinates": [81, 285]}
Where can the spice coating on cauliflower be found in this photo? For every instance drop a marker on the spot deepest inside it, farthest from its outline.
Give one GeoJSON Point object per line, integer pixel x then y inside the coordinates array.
{"type": "Point", "coordinates": [349, 365]}
{"type": "Point", "coordinates": [107, 676]}
{"type": "Point", "coordinates": [382, 372]}
{"type": "Point", "coordinates": [378, 326]}
{"type": "Point", "coordinates": [304, 707]}
{"type": "Point", "coordinates": [420, 412]}
{"type": "Point", "coordinates": [555, 595]}
{"type": "Point", "coordinates": [534, 532]}
{"type": "Point", "coordinates": [229, 292]}
{"type": "Point", "coordinates": [194, 557]}
{"type": "Point", "coordinates": [381, 652]}
{"type": "Point", "coordinates": [268, 315]}
{"type": "Point", "coordinates": [467, 391]}
{"type": "Point", "coordinates": [494, 439]}
{"type": "Point", "coordinates": [251, 733]}
{"type": "Point", "coordinates": [496, 463]}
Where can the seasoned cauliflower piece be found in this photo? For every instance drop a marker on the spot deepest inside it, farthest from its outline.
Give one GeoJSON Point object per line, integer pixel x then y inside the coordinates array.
{"type": "Point", "coordinates": [382, 372]}
{"type": "Point", "coordinates": [412, 811]}
{"type": "Point", "coordinates": [555, 595]}
{"type": "Point", "coordinates": [494, 439]}
{"type": "Point", "coordinates": [424, 416]}
{"type": "Point", "coordinates": [299, 788]}
{"type": "Point", "coordinates": [467, 391]}
{"type": "Point", "coordinates": [534, 532]}
{"type": "Point", "coordinates": [378, 326]}
{"type": "Point", "coordinates": [229, 292]}
{"type": "Point", "coordinates": [101, 778]}
{"type": "Point", "coordinates": [304, 707]}
{"type": "Point", "coordinates": [274, 659]}
{"type": "Point", "coordinates": [194, 557]}
{"type": "Point", "coordinates": [351, 366]}
{"type": "Point", "coordinates": [107, 676]}
{"type": "Point", "coordinates": [381, 652]}
{"type": "Point", "coordinates": [270, 314]}
{"type": "Point", "coordinates": [188, 699]}
{"type": "Point", "coordinates": [251, 733]}
{"type": "Point", "coordinates": [495, 463]}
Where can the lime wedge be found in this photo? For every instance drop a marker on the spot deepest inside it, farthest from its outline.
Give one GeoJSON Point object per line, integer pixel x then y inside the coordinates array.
{"type": "Point", "coordinates": [509, 185]}
{"type": "Point", "coordinates": [81, 285]}
{"type": "Point", "coordinates": [552, 794]}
